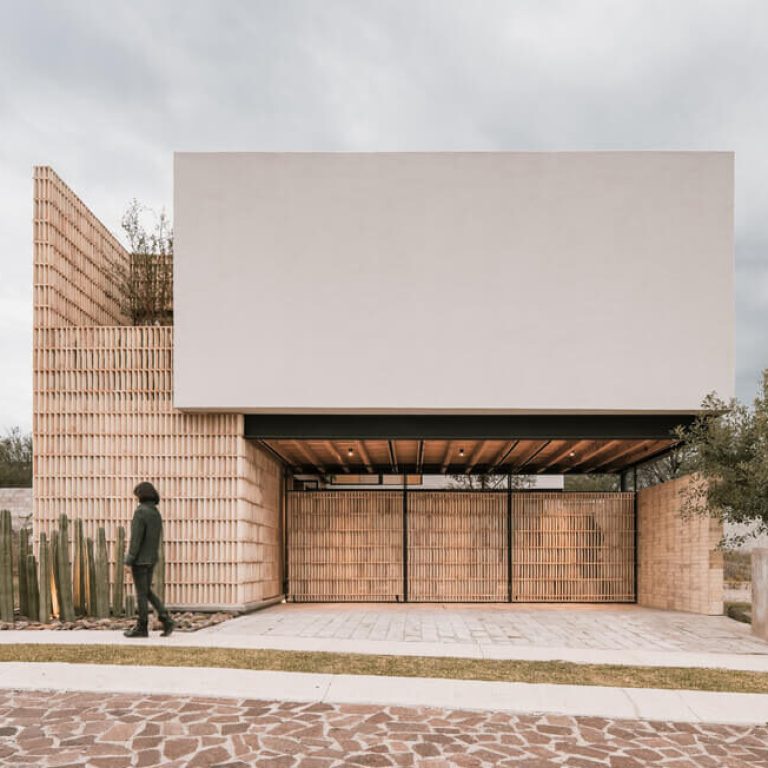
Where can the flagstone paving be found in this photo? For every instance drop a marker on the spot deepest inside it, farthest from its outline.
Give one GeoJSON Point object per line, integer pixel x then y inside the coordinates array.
{"type": "Point", "coordinates": [117, 731]}
{"type": "Point", "coordinates": [598, 627]}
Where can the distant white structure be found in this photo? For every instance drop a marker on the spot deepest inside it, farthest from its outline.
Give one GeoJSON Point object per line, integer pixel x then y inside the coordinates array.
{"type": "Point", "coordinates": [19, 502]}
{"type": "Point", "coordinates": [754, 542]}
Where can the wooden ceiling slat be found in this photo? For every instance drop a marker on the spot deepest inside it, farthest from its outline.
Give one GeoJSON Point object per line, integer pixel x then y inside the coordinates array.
{"type": "Point", "coordinates": [305, 452]}
{"type": "Point", "coordinates": [648, 449]}
{"type": "Point", "coordinates": [433, 452]}
{"type": "Point", "coordinates": [568, 447]}
{"type": "Point", "coordinates": [378, 450]}
{"type": "Point", "coordinates": [502, 455]}
{"type": "Point", "coordinates": [625, 449]}
{"type": "Point", "coordinates": [552, 448]}
{"type": "Point", "coordinates": [596, 448]}
{"type": "Point", "coordinates": [446, 460]}
{"type": "Point", "coordinates": [363, 452]}
{"type": "Point", "coordinates": [336, 455]}
{"type": "Point", "coordinates": [466, 456]}
{"type": "Point", "coordinates": [533, 455]}
{"type": "Point", "coordinates": [474, 455]}
{"type": "Point", "coordinates": [407, 454]}
{"type": "Point", "coordinates": [518, 454]}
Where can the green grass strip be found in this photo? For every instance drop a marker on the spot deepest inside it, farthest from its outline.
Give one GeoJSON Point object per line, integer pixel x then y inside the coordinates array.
{"type": "Point", "coordinates": [556, 672]}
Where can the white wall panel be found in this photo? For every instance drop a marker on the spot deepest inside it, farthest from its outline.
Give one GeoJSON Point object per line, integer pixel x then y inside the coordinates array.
{"type": "Point", "coordinates": [453, 281]}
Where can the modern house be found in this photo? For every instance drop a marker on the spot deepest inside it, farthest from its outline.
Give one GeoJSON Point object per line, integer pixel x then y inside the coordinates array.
{"type": "Point", "coordinates": [371, 320]}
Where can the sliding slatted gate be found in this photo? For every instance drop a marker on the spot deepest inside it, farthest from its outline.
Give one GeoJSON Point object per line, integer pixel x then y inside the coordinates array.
{"type": "Point", "coordinates": [440, 546]}
{"type": "Point", "coordinates": [573, 547]}
{"type": "Point", "coordinates": [457, 546]}
{"type": "Point", "coordinates": [345, 545]}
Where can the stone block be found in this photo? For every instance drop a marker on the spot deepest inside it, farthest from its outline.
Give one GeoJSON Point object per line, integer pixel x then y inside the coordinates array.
{"type": "Point", "coordinates": [19, 502]}
{"type": "Point", "coordinates": [760, 593]}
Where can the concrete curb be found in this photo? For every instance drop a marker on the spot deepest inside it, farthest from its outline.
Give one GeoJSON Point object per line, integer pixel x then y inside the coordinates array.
{"type": "Point", "coordinates": [521, 698]}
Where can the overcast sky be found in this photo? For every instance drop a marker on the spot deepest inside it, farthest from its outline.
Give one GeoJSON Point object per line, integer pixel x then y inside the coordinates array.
{"type": "Point", "coordinates": [105, 92]}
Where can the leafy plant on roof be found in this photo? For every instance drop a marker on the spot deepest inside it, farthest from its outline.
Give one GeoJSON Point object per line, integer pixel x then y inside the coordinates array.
{"type": "Point", "coordinates": [144, 285]}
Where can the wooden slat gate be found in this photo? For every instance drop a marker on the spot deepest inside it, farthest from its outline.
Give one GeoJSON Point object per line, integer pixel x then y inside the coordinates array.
{"type": "Point", "coordinates": [442, 546]}
{"type": "Point", "coordinates": [345, 545]}
{"type": "Point", "coordinates": [573, 547]}
{"type": "Point", "coordinates": [457, 546]}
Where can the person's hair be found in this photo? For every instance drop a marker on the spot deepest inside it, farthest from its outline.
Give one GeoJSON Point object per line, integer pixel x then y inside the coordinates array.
{"type": "Point", "coordinates": [146, 492]}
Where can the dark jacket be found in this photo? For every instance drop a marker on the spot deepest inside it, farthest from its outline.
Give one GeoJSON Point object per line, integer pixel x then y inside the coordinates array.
{"type": "Point", "coordinates": [146, 528]}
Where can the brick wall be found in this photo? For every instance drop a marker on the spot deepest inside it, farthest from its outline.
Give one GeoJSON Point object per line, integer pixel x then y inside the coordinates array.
{"type": "Point", "coordinates": [679, 565]}
{"type": "Point", "coordinates": [103, 420]}
{"type": "Point", "coordinates": [74, 259]}
{"type": "Point", "coordinates": [260, 507]}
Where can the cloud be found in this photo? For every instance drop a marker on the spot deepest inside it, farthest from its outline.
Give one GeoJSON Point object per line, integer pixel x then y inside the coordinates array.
{"type": "Point", "coordinates": [106, 91]}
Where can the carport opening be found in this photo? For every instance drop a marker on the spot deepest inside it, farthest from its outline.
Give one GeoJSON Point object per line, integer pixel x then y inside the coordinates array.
{"type": "Point", "coordinates": [378, 511]}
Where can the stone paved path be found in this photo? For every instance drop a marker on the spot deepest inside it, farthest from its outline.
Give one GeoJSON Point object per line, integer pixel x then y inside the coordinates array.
{"type": "Point", "coordinates": [116, 731]}
{"type": "Point", "coordinates": [591, 627]}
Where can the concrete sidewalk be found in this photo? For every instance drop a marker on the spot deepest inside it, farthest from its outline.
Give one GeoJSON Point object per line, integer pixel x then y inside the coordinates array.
{"type": "Point", "coordinates": [594, 701]}
{"type": "Point", "coordinates": [210, 639]}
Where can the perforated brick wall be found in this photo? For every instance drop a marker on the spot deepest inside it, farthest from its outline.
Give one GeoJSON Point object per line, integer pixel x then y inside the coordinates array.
{"type": "Point", "coordinates": [679, 565]}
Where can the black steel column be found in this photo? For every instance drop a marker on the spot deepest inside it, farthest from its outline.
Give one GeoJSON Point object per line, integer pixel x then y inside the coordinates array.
{"type": "Point", "coordinates": [284, 516]}
{"type": "Point", "coordinates": [405, 538]}
{"type": "Point", "coordinates": [624, 480]}
{"type": "Point", "coordinates": [509, 538]}
{"type": "Point", "coordinates": [634, 504]}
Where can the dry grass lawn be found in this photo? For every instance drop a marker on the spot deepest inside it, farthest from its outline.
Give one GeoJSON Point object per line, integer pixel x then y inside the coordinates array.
{"type": "Point", "coordinates": [557, 672]}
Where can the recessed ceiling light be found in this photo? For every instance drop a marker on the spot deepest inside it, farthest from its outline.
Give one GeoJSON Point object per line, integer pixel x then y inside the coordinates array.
{"type": "Point", "coordinates": [572, 454]}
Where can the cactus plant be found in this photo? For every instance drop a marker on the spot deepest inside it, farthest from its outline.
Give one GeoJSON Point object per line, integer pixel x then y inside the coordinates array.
{"type": "Point", "coordinates": [6, 567]}
{"type": "Point", "coordinates": [79, 570]}
{"type": "Point", "coordinates": [91, 581]}
{"type": "Point", "coordinates": [33, 596]}
{"type": "Point", "coordinates": [118, 603]}
{"type": "Point", "coordinates": [51, 589]}
{"type": "Point", "coordinates": [53, 554]}
{"type": "Point", "coordinates": [101, 569]}
{"type": "Point", "coordinates": [44, 613]}
{"type": "Point", "coordinates": [24, 607]}
{"type": "Point", "coordinates": [67, 608]}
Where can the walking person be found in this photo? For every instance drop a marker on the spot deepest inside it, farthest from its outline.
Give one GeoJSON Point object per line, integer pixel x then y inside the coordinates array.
{"type": "Point", "coordinates": [146, 528]}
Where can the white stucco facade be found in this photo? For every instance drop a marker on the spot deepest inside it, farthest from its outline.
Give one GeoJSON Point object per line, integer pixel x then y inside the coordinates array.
{"type": "Point", "coordinates": [455, 282]}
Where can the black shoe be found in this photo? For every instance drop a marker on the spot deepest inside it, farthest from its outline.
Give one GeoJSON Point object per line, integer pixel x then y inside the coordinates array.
{"type": "Point", "coordinates": [137, 631]}
{"type": "Point", "coordinates": [168, 626]}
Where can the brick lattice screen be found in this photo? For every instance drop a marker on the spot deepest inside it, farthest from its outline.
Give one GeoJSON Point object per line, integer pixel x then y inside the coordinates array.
{"type": "Point", "coordinates": [679, 565]}
{"type": "Point", "coordinates": [104, 420]}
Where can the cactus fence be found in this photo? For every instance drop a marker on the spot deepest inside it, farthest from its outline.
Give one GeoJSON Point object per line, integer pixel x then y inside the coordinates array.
{"type": "Point", "coordinates": [69, 577]}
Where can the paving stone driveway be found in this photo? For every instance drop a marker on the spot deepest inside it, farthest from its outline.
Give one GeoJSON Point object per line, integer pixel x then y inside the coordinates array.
{"type": "Point", "coordinates": [590, 627]}
{"type": "Point", "coordinates": [116, 731]}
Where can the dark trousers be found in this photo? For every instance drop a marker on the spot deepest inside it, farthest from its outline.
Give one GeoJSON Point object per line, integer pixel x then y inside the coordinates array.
{"type": "Point", "coordinates": [142, 580]}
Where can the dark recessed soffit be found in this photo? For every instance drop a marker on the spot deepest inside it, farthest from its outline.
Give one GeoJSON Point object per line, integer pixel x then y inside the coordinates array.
{"type": "Point", "coordinates": [452, 427]}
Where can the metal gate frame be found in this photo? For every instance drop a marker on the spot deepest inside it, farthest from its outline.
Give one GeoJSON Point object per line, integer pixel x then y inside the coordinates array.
{"type": "Point", "coordinates": [541, 560]}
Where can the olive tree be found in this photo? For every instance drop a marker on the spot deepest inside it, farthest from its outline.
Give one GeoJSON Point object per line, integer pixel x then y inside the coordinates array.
{"type": "Point", "coordinates": [16, 459]}
{"type": "Point", "coordinates": [728, 454]}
